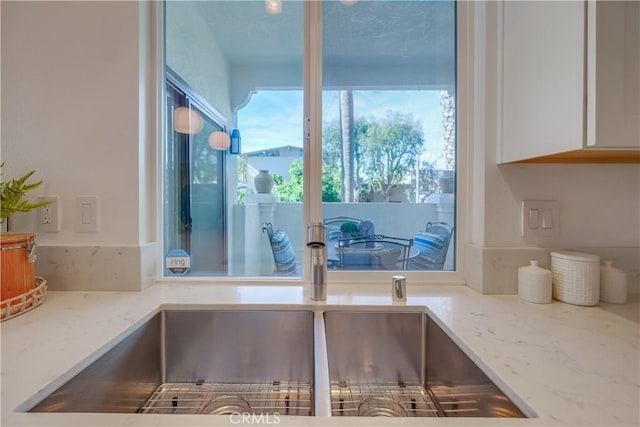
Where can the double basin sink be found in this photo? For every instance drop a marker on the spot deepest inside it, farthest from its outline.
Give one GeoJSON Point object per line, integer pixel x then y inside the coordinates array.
{"type": "Point", "coordinates": [285, 362]}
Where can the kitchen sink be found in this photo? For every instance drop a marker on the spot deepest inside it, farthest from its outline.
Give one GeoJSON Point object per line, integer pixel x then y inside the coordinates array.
{"type": "Point", "coordinates": [200, 362]}
{"type": "Point", "coordinates": [329, 362]}
{"type": "Point", "coordinates": [402, 364]}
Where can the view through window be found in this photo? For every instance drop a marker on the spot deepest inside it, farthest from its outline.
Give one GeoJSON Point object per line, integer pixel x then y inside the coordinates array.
{"type": "Point", "coordinates": [388, 133]}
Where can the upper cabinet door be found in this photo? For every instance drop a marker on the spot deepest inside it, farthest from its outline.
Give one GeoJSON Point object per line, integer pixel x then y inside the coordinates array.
{"type": "Point", "coordinates": [613, 74]}
{"type": "Point", "coordinates": [543, 82]}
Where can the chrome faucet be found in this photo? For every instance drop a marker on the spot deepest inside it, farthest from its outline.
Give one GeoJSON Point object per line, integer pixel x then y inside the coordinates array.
{"type": "Point", "coordinates": [317, 241]}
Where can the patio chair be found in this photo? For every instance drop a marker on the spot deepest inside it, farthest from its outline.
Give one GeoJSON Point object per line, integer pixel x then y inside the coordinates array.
{"type": "Point", "coordinates": [374, 252]}
{"type": "Point", "coordinates": [284, 256]}
{"type": "Point", "coordinates": [432, 244]}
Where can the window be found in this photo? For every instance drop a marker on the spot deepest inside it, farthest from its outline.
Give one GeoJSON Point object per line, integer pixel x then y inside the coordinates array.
{"type": "Point", "coordinates": [385, 111]}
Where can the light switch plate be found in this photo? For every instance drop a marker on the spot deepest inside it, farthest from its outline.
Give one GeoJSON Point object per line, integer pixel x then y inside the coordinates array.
{"type": "Point", "coordinates": [540, 218]}
{"type": "Point", "coordinates": [87, 214]}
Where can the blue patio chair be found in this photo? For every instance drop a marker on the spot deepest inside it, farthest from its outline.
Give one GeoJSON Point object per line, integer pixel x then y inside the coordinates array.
{"type": "Point", "coordinates": [284, 256]}
{"type": "Point", "coordinates": [432, 244]}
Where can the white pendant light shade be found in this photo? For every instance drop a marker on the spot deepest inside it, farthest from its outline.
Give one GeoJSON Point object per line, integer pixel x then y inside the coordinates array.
{"type": "Point", "coordinates": [187, 120]}
{"type": "Point", "coordinates": [219, 140]}
{"type": "Point", "coordinates": [273, 7]}
{"type": "Point", "coordinates": [349, 2]}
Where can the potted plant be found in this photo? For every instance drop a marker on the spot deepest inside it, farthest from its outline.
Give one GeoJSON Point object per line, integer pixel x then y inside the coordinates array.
{"type": "Point", "coordinates": [349, 229]}
{"type": "Point", "coordinates": [17, 255]}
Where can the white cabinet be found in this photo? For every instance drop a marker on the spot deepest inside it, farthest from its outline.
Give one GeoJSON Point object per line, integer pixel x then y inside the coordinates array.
{"type": "Point", "coordinates": [570, 93]}
{"type": "Point", "coordinates": [613, 74]}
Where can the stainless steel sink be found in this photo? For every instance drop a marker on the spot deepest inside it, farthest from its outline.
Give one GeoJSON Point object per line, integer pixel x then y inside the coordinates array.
{"type": "Point", "coordinates": [403, 364]}
{"type": "Point", "coordinates": [298, 362]}
{"type": "Point", "coordinates": [211, 362]}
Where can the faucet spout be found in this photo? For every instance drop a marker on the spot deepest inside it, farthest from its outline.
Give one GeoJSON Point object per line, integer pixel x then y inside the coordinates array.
{"type": "Point", "coordinates": [317, 241]}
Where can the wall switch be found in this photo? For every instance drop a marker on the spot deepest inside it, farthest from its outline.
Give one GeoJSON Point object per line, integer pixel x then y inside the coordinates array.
{"type": "Point", "coordinates": [533, 220]}
{"type": "Point", "coordinates": [547, 219]}
{"type": "Point", "coordinates": [540, 218]}
{"type": "Point", "coordinates": [49, 215]}
{"type": "Point", "coordinates": [87, 214]}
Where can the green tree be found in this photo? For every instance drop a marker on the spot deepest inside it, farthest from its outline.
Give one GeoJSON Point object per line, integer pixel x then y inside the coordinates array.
{"type": "Point", "coordinates": [292, 190]}
{"type": "Point", "coordinates": [332, 152]}
{"type": "Point", "coordinates": [389, 152]}
{"type": "Point", "coordinates": [331, 185]}
{"type": "Point", "coordinates": [428, 177]}
{"type": "Point", "coordinates": [242, 179]}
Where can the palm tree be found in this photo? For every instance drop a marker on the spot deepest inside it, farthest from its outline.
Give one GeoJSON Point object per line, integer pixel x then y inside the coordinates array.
{"type": "Point", "coordinates": [448, 108]}
{"type": "Point", "coordinates": [348, 145]}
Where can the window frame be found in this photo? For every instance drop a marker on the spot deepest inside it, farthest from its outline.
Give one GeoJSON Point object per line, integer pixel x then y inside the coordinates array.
{"type": "Point", "coordinates": [312, 160]}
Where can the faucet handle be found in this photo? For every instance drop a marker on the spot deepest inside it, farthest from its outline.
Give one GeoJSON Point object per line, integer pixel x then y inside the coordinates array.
{"type": "Point", "coordinates": [316, 235]}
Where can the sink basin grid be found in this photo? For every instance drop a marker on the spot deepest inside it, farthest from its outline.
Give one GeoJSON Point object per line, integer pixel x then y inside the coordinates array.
{"type": "Point", "coordinates": [188, 398]}
{"type": "Point", "coordinates": [285, 362]}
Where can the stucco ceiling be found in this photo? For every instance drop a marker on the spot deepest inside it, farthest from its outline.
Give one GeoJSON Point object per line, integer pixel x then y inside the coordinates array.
{"type": "Point", "coordinates": [366, 33]}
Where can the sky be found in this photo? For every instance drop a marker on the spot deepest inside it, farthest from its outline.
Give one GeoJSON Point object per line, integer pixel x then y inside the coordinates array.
{"type": "Point", "coordinates": [274, 118]}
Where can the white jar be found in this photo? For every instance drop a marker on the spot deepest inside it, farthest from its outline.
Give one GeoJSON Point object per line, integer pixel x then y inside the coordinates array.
{"type": "Point", "coordinates": [576, 277]}
{"type": "Point", "coordinates": [613, 284]}
{"type": "Point", "coordinates": [534, 283]}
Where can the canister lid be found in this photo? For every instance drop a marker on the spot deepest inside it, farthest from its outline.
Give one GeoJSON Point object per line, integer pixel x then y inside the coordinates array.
{"type": "Point", "coordinates": [576, 256]}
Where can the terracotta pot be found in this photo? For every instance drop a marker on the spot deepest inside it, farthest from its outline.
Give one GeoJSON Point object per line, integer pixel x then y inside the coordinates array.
{"type": "Point", "coordinates": [18, 272]}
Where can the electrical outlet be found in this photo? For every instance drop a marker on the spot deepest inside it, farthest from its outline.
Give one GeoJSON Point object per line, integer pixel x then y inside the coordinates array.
{"type": "Point", "coordinates": [49, 215]}
{"type": "Point", "coordinates": [46, 214]}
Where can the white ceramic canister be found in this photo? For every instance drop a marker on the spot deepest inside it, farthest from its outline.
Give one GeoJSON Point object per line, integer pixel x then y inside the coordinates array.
{"type": "Point", "coordinates": [534, 283]}
{"type": "Point", "coordinates": [576, 277]}
{"type": "Point", "coordinates": [613, 284]}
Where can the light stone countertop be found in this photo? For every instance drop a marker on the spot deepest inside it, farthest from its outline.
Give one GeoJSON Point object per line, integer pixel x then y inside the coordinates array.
{"type": "Point", "coordinates": [571, 365]}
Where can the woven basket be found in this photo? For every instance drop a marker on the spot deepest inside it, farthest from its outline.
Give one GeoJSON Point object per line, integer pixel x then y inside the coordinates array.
{"type": "Point", "coordinates": [576, 277]}
{"type": "Point", "coordinates": [19, 304]}
{"type": "Point", "coordinates": [18, 269]}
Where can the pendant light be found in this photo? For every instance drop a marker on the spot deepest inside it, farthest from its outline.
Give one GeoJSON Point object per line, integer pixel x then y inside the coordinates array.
{"type": "Point", "coordinates": [273, 7]}
{"type": "Point", "coordinates": [219, 140]}
{"type": "Point", "coordinates": [187, 120]}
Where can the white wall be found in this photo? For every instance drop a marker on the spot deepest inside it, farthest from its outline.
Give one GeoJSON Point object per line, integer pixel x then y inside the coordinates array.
{"type": "Point", "coordinates": [599, 203]}
{"type": "Point", "coordinates": [70, 109]}
{"type": "Point", "coordinates": [71, 79]}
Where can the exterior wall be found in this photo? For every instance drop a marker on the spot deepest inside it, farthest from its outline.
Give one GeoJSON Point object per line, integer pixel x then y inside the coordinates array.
{"type": "Point", "coordinates": [194, 54]}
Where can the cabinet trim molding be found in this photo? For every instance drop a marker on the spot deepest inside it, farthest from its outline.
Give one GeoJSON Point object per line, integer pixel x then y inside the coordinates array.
{"type": "Point", "coordinates": [587, 156]}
